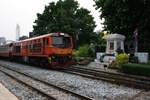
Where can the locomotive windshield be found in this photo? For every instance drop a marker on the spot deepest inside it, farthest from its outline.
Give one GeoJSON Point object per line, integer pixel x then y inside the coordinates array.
{"type": "Point", "coordinates": [62, 42]}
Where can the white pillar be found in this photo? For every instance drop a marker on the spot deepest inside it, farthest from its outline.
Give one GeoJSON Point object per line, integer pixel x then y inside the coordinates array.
{"type": "Point", "coordinates": [107, 47]}
{"type": "Point", "coordinates": [115, 46]}
{"type": "Point", "coordinates": [122, 45]}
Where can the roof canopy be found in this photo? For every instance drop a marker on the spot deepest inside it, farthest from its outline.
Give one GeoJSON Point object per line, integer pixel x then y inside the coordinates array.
{"type": "Point", "coordinates": [114, 37]}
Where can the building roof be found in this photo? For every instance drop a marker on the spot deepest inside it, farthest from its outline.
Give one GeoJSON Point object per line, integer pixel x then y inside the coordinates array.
{"type": "Point", "coordinates": [114, 37]}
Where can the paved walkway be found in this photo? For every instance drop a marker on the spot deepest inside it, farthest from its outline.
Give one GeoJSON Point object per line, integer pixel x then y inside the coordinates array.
{"type": "Point", "coordinates": [5, 94]}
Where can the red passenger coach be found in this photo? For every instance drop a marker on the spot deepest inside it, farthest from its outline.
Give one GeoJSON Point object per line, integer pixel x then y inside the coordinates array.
{"type": "Point", "coordinates": [6, 50]}
{"type": "Point", "coordinates": [53, 50]}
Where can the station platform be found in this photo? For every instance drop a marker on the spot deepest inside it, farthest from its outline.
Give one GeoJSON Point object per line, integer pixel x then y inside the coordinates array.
{"type": "Point", "coordinates": [5, 94]}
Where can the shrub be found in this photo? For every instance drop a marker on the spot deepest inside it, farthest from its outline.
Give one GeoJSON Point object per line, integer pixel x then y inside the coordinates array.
{"type": "Point", "coordinates": [91, 50]}
{"type": "Point", "coordinates": [113, 65]}
{"type": "Point", "coordinates": [122, 58]}
{"type": "Point", "coordinates": [100, 48]}
{"type": "Point", "coordinates": [138, 69]}
{"type": "Point", "coordinates": [119, 51]}
{"type": "Point", "coordinates": [133, 59]}
{"type": "Point", "coordinates": [148, 62]}
{"type": "Point", "coordinates": [83, 51]}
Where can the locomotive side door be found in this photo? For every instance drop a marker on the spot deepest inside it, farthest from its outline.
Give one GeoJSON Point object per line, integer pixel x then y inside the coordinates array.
{"type": "Point", "coordinates": [45, 45]}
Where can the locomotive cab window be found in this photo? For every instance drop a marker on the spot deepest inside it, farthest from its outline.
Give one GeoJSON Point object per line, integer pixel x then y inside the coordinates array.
{"type": "Point", "coordinates": [62, 42]}
{"type": "Point", "coordinates": [57, 40]}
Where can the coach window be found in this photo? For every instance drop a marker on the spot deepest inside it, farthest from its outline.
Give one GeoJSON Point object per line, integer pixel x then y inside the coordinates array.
{"type": "Point", "coordinates": [18, 49]}
{"type": "Point", "coordinates": [10, 45]}
{"type": "Point", "coordinates": [39, 40]}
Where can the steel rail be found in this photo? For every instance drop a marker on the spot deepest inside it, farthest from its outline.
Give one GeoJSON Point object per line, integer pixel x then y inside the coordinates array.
{"type": "Point", "coordinates": [116, 73]}
{"type": "Point", "coordinates": [30, 86]}
{"type": "Point", "coordinates": [82, 97]}
{"type": "Point", "coordinates": [110, 77]}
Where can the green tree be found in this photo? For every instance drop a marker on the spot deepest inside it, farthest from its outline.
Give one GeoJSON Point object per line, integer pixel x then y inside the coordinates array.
{"type": "Point", "coordinates": [100, 45]}
{"type": "Point", "coordinates": [124, 16]}
{"type": "Point", "coordinates": [23, 37]}
{"type": "Point", "coordinates": [66, 16]}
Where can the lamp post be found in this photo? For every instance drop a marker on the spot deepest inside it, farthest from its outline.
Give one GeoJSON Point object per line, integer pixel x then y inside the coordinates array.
{"type": "Point", "coordinates": [136, 39]}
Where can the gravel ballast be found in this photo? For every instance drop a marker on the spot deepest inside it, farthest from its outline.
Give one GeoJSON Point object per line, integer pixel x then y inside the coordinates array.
{"type": "Point", "coordinates": [96, 89]}
{"type": "Point", "coordinates": [21, 91]}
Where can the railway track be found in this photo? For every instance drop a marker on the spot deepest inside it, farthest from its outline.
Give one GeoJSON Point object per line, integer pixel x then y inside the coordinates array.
{"type": "Point", "coordinates": [49, 90]}
{"type": "Point", "coordinates": [117, 78]}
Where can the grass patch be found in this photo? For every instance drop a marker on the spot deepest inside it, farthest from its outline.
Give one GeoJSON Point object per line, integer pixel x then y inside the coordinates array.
{"type": "Point", "coordinates": [137, 69]}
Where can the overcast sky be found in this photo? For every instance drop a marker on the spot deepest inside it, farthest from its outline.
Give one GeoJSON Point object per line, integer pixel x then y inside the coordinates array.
{"type": "Point", "coordinates": [23, 12]}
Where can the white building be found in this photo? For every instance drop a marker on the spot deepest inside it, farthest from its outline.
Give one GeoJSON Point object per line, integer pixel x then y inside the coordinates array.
{"type": "Point", "coordinates": [2, 40]}
{"type": "Point", "coordinates": [114, 42]}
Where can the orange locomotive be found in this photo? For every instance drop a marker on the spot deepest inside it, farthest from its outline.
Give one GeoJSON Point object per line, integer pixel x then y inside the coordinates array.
{"type": "Point", "coordinates": [53, 50]}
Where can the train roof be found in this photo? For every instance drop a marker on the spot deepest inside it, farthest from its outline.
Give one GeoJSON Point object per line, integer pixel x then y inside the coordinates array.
{"type": "Point", "coordinates": [45, 35]}
{"type": "Point", "coordinates": [7, 44]}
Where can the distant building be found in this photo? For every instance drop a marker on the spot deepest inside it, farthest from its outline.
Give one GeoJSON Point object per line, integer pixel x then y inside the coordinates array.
{"type": "Point", "coordinates": [17, 32]}
{"type": "Point", "coordinates": [2, 40]}
{"type": "Point", "coordinates": [31, 34]}
{"type": "Point", "coordinates": [9, 41]}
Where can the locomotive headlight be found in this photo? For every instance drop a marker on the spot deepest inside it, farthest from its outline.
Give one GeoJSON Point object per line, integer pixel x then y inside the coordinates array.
{"type": "Point", "coordinates": [49, 59]}
{"type": "Point", "coordinates": [53, 57]}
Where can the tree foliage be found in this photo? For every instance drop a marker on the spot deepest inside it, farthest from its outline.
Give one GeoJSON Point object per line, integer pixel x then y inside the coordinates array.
{"type": "Point", "coordinates": [65, 16]}
{"type": "Point", "coordinates": [23, 37]}
{"type": "Point", "coordinates": [124, 16]}
{"type": "Point", "coordinates": [99, 42]}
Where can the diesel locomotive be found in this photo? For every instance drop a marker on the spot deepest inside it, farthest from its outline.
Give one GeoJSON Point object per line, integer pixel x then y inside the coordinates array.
{"type": "Point", "coordinates": [53, 50]}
